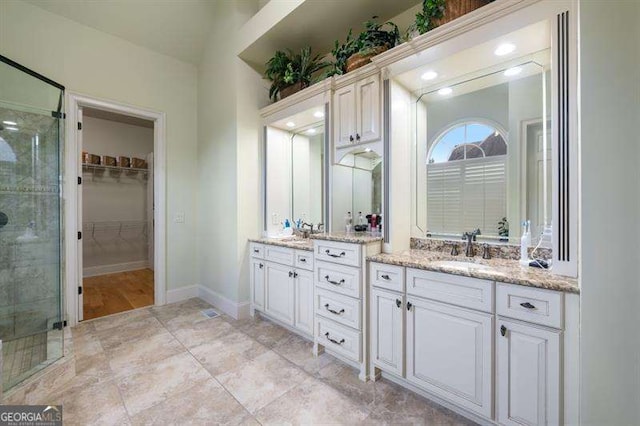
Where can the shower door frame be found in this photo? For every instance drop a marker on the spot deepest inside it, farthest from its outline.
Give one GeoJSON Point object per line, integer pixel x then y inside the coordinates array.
{"type": "Point", "coordinates": [73, 170]}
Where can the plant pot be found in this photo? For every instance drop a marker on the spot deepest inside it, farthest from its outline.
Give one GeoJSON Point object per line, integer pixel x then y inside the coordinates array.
{"type": "Point", "coordinates": [358, 60]}
{"type": "Point", "coordinates": [291, 89]}
{"type": "Point", "coordinates": [457, 8]}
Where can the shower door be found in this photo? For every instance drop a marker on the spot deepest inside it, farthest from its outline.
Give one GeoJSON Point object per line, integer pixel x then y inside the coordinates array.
{"type": "Point", "coordinates": [31, 128]}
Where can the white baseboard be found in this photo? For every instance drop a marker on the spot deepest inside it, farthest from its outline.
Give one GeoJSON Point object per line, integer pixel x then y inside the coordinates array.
{"type": "Point", "coordinates": [93, 271]}
{"type": "Point", "coordinates": [181, 294]}
{"type": "Point", "coordinates": [228, 306]}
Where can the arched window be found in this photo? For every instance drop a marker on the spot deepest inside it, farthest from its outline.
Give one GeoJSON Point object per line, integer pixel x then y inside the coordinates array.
{"type": "Point", "coordinates": [466, 180]}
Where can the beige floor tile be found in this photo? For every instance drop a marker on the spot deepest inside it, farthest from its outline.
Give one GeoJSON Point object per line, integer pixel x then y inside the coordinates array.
{"type": "Point", "coordinates": [168, 312]}
{"type": "Point", "coordinates": [227, 352]}
{"type": "Point", "coordinates": [153, 385]}
{"type": "Point", "coordinates": [262, 380]}
{"type": "Point", "coordinates": [266, 332]}
{"type": "Point", "coordinates": [130, 332]}
{"type": "Point", "coordinates": [86, 345]}
{"type": "Point", "coordinates": [95, 366]}
{"type": "Point", "coordinates": [118, 320]}
{"type": "Point", "coordinates": [300, 351]}
{"type": "Point", "coordinates": [195, 334]}
{"type": "Point", "coordinates": [345, 379]}
{"type": "Point", "coordinates": [312, 402]}
{"type": "Point", "coordinates": [206, 403]}
{"type": "Point", "coordinates": [89, 401]}
{"type": "Point", "coordinates": [126, 359]}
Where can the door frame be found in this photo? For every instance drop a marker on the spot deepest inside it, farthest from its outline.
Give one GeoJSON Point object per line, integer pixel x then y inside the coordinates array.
{"type": "Point", "coordinates": [72, 216]}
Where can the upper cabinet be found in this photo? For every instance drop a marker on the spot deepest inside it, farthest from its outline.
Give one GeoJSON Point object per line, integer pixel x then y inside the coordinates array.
{"type": "Point", "coordinates": [358, 112]}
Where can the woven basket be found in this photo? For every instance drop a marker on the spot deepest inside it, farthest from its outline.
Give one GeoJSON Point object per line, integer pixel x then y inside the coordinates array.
{"type": "Point", "coordinates": [290, 90]}
{"type": "Point", "coordinates": [358, 60]}
{"type": "Point", "coordinates": [457, 8]}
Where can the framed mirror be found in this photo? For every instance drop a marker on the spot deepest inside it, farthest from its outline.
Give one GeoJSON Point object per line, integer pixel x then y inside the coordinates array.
{"type": "Point", "coordinates": [357, 190]}
{"type": "Point", "coordinates": [294, 152]}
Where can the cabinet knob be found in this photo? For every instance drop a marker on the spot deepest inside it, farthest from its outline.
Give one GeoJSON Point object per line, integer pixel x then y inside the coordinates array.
{"type": "Point", "coordinates": [357, 137]}
{"type": "Point", "coordinates": [409, 305]}
{"type": "Point", "coordinates": [290, 274]}
{"type": "Point", "coordinates": [261, 266]}
{"type": "Point", "coordinates": [350, 138]}
{"type": "Point", "coordinates": [527, 305]}
{"type": "Point", "coordinates": [295, 275]}
{"type": "Point", "coordinates": [503, 330]}
{"type": "Point", "coordinates": [398, 303]}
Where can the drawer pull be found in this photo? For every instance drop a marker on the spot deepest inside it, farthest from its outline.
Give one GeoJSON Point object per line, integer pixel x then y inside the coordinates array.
{"type": "Point", "coordinates": [332, 311]}
{"type": "Point", "coordinates": [333, 340]}
{"type": "Point", "coordinates": [326, 277]}
{"type": "Point", "coordinates": [302, 259]}
{"type": "Point", "coordinates": [386, 277]}
{"type": "Point", "coordinates": [527, 305]}
{"type": "Point", "coordinates": [503, 330]}
{"type": "Point", "coordinates": [256, 251]}
{"type": "Point", "coordinates": [398, 303]}
{"type": "Point", "coordinates": [335, 255]}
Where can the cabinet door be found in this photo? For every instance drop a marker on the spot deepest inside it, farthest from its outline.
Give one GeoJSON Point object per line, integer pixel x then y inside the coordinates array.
{"type": "Point", "coordinates": [450, 353]}
{"type": "Point", "coordinates": [344, 115]}
{"type": "Point", "coordinates": [279, 287]}
{"type": "Point", "coordinates": [387, 332]}
{"type": "Point", "coordinates": [257, 283]}
{"type": "Point", "coordinates": [304, 301]}
{"type": "Point", "coordinates": [368, 120]}
{"type": "Point", "coordinates": [528, 363]}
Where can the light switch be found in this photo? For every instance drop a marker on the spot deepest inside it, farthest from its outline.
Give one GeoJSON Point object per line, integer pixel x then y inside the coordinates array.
{"type": "Point", "coordinates": [275, 220]}
{"type": "Point", "coordinates": [179, 218]}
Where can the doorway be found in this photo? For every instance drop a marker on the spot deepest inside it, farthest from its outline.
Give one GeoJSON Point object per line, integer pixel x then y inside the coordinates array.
{"type": "Point", "coordinates": [117, 263]}
{"type": "Point", "coordinates": [117, 212]}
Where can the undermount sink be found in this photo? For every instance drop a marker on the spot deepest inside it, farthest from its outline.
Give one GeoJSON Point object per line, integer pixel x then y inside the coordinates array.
{"type": "Point", "coordinates": [456, 264]}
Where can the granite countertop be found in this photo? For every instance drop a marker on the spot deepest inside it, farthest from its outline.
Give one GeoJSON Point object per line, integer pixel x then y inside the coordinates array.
{"type": "Point", "coordinates": [502, 270]}
{"type": "Point", "coordinates": [343, 237]}
{"type": "Point", "coordinates": [289, 242]}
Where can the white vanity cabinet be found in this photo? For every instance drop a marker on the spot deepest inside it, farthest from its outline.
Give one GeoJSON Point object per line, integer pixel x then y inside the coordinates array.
{"type": "Point", "coordinates": [492, 349]}
{"type": "Point", "coordinates": [282, 285]}
{"type": "Point", "coordinates": [358, 112]}
{"type": "Point", "coordinates": [341, 300]}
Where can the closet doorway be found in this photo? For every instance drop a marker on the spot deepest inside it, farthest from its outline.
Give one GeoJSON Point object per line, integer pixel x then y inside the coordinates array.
{"type": "Point", "coordinates": [116, 201]}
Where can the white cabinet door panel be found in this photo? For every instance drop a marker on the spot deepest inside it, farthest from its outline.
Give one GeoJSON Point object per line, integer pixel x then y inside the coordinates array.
{"type": "Point", "coordinates": [344, 104]}
{"type": "Point", "coordinates": [279, 287]}
{"type": "Point", "coordinates": [368, 109]}
{"type": "Point", "coordinates": [257, 283]}
{"type": "Point", "coordinates": [387, 334]}
{"type": "Point", "coordinates": [304, 301]}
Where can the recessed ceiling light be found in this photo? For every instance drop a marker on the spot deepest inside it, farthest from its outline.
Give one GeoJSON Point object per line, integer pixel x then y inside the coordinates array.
{"type": "Point", "coordinates": [291, 124]}
{"type": "Point", "coordinates": [311, 131]}
{"type": "Point", "coordinates": [445, 91]}
{"type": "Point", "coordinates": [505, 49]}
{"type": "Point", "coordinates": [318, 114]}
{"type": "Point", "coordinates": [512, 71]}
{"type": "Point", "coordinates": [429, 75]}
{"type": "Point", "coordinates": [15, 129]}
{"type": "Point", "coordinates": [10, 123]}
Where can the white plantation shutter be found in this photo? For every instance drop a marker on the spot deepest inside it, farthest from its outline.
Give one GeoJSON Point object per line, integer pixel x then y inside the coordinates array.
{"type": "Point", "coordinates": [467, 194]}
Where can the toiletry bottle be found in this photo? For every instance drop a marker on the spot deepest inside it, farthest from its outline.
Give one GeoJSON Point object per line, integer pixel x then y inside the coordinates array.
{"type": "Point", "coordinates": [348, 221]}
{"type": "Point", "coordinates": [360, 219]}
{"type": "Point", "coordinates": [524, 244]}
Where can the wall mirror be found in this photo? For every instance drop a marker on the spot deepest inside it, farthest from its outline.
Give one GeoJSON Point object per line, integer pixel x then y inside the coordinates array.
{"type": "Point", "coordinates": [294, 157]}
{"type": "Point", "coordinates": [481, 155]}
{"type": "Point", "coordinates": [357, 188]}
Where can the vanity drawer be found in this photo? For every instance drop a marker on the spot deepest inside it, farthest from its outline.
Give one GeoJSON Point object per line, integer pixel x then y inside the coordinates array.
{"type": "Point", "coordinates": [338, 278]}
{"type": "Point", "coordinates": [337, 307]}
{"type": "Point", "coordinates": [277, 254]}
{"type": "Point", "coordinates": [535, 305]}
{"type": "Point", "coordinates": [390, 277]}
{"type": "Point", "coordinates": [336, 252]}
{"type": "Point", "coordinates": [338, 338]}
{"type": "Point", "coordinates": [453, 289]}
{"type": "Point", "coordinates": [256, 250]}
{"type": "Point", "coordinates": [304, 259]}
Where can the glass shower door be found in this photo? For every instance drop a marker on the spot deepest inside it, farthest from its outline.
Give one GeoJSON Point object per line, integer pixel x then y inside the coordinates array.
{"type": "Point", "coordinates": [30, 222]}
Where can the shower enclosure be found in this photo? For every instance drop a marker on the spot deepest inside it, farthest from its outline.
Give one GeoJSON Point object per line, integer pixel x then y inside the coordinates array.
{"type": "Point", "coordinates": [31, 129]}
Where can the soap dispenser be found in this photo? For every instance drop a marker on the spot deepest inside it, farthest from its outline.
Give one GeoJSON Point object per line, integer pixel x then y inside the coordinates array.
{"type": "Point", "coordinates": [348, 222]}
{"type": "Point", "coordinates": [525, 242]}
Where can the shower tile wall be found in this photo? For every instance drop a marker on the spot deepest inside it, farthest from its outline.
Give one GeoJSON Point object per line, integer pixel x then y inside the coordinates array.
{"type": "Point", "coordinates": [29, 195]}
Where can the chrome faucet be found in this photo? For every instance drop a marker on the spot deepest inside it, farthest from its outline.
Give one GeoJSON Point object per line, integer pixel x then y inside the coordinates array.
{"type": "Point", "coordinates": [470, 237]}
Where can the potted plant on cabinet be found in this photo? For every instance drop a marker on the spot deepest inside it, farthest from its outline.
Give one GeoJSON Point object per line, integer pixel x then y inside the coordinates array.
{"type": "Point", "coordinates": [437, 12]}
{"type": "Point", "coordinates": [290, 73]}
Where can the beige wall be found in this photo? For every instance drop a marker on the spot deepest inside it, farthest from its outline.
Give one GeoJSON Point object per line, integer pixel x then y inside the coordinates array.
{"type": "Point", "coordinates": [96, 64]}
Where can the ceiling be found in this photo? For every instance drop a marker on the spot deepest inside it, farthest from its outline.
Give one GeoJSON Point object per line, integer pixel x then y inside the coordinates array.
{"type": "Point", "coordinates": [175, 28]}
{"type": "Point", "coordinates": [301, 121]}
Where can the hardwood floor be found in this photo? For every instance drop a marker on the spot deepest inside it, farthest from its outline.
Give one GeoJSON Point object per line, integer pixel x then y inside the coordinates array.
{"type": "Point", "coordinates": [113, 293]}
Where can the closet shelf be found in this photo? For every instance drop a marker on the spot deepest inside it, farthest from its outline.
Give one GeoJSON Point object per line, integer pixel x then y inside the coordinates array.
{"type": "Point", "coordinates": [113, 169]}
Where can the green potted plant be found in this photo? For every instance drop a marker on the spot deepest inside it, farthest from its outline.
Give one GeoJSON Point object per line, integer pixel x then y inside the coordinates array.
{"type": "Point", "coordinates": [437, 12]}
{"type": "Point", "coordinates": [290, 73]}
{"type": "Point", "coordinates": [356, 52]}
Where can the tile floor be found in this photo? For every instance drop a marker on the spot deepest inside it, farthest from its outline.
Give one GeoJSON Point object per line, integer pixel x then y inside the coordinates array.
{"type": "Point", "coordinates": [171, 365]}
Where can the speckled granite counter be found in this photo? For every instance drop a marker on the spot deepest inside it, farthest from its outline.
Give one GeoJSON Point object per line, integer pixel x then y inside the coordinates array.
{"type": "Point", "coordinates": [290, 242]}
{"type": "Point", "coordinates": [502, 270]}
{"type": "Point", "coordinates": [343, 237]}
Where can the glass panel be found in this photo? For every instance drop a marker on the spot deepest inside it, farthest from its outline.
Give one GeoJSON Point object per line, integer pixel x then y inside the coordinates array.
{"type": "Point", "coordinates": [30, 224]}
